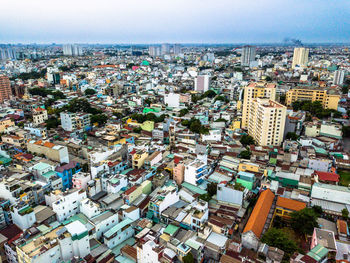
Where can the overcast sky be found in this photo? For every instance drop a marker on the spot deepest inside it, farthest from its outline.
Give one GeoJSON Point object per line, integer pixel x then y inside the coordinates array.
{"type": "Point", "coordinates": [181, 21]}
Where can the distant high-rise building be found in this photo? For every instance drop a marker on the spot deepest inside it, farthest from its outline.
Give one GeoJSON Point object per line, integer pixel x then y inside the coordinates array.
{"type": "Point", "coordinates": [266, 120]}
{"type": "Point", "coordinates": [300, 57]}
{"type": "Point", "coordinates": [72, 50]}
{"type": "Point", "coordinates": [202, 83]}
{"type": "Point", "coordinates": [7, 53]}
{"type": "Point", "coordinates": [248, 55]}
{"type": "Point", "coordinates": [165, 49]}
{"type": "Point", "coordinates": [177, 49]}
{"type": "Point", "coordinates": [5, 88]}
{"type": "Point", "coordinates": [154, 51]}
{"type": "Point", "coordinates": [338, 78]}
{"type": "Point", "coordinates": [254, 90]}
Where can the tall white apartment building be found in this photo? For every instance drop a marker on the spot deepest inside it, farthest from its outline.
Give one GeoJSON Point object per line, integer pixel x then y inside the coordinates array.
{"type": "Point", "coordinates": [202, 83]}
{"type": "Point", "coordinates": [255, 90]}
{"type": "Point", "coordinates": [71, 121]}
{"type": "Point", "coordinates": [266, 121]}
{"type": "Point", "coordinates": [338, 78]}
{"type": "Point", "coordinates": [195, 172]}
{"type": "Point", "coordinates": [72, 50]}
{"type": "Point", "coordinates": [300, 57]}
{"type": "Point", "coordinates": [248, 55]}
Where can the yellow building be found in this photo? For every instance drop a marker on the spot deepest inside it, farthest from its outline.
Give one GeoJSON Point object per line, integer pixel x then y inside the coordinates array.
{"type": "Point", "coordinates": [266, 122]}
{"type": "Point", "coordinates": [236, 124]}
{"type": "Point", "coordinates": [256, 90]}
{"type": "Point", "coordinates": [329, 97]}
{"type": "Point", "coordinates": [248, 167]}
{"type": "Point", "coordinates": [6, 123]}
{"type": "Point", "coordinates": [147, 126]}
{"type": "Point", "coordinates": [138, 159]}
{"type": "Point", "coordinates": [286, 206]}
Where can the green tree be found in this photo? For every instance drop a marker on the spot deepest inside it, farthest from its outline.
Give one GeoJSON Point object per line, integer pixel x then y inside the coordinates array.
{"type": "Point", "coordinates": [346, 131]}
{"type": "Point", "coordinates": [85, 167]}
{"type": "Point", "coordinates": [212, 188]}
{"type": "Point", "coordinates": [183, 112]}
{"type": "Point", "coordinates": [318, 210]}
{"type": "Point", "coordinates": [89, 92]}
{"type": "Point", "coordinates": [304, 221]}
{"type": "Point", "coordinates": [205, 197]}
{"type": "Point", "coordinates": [245, 154]}
{"type": "Point", "coordinates": [247, 140]}
{"type": "Point", "coordinates": [278, 238]}
{"type": "Point", "coordinates": [101, 119]}
{"type": "Point", "coordinates": [345, 213]}
{"type": "Point", "coordinates": [188, 258]}
{"type": "Point", "coordinates": [52, 123]}
{"type": "Point", "coordinates": [137, 130]}
{"type": "Point", "coordinates": [292, 136]}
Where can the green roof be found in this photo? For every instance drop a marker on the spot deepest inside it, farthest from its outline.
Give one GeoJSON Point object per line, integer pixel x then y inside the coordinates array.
{"type": "Point", "coordinates": [273, 160]}
{"type": "Point", "coordinates": [81, 217]}
{"type": "Point", "coordinates": [171, 230]}
{"type": "Point", "coordinates": [41, 166]}
{"type": "Point", "coordinates": [117, 227]}
{"type": "Point", "coordinates": [193, 188]}
{"type": "Point", "coordinates": [318, 252]}
{"type": "Point", "coordinates": [4, 160]}
{"type": "Point", "coordinates": [193, 244]}
{"type": "Point", "coordinates": [50, 174]}
{"type": "Point", "coordinates": [114, 180]}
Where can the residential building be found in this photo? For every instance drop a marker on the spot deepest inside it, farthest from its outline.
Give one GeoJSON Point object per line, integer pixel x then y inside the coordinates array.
{"type": "Point", "coordinates": [256, 90]}
{"type": "Point", "coordinates": [73, 121]}
{"type": "Point", "coordinates": [266, 120]}
{"type": "Point", "coordinates": [248, 55]}
{"type": "Point", "coordinates": [39, 116]}
{"type": "Point", "coordinates": [300, 57]}
{"type": "Point", "coordinates": [5, 88]}
{"type": "Point", "coordinates": [202, 83]}
{"type": "Point", "coordinates": [72, 50]}
{"type": "Point", "coordinates": [338, 78]}
{"type": "Point", "coordinates": [329, 97]}
{"type": "Point", "coordinates": [60, 244]}
{"type": "Point", "coordinates": [66, 172]}
{"type": "Point", "coordinates": [195, 172]}
{"type": "Point", "coordinates": [138, 159]}
{"type": "Point", "coordinates": [65, 204]}
{"type": "Point", "coordinates": [52, 151]}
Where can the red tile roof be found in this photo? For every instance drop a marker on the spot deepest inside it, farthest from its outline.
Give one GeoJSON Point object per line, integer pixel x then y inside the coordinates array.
{"type": "Point", "coordinates": [325, 176]}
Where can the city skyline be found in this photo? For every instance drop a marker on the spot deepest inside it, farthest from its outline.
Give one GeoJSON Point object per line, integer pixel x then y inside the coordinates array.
{"type": "Point", "coordinates": [175, 22]}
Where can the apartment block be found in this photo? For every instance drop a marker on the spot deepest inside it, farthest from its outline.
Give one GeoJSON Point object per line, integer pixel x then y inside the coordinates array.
{"type": "Point", "coordinates": [300, 57]}
{"type": "Point", "coordinates": [255, 90]}
{"type": "Point", "coordinates": [195, 172]}
{"type": "Point", "coordinates": [266, 122]}
{"type": "Point", "coordinates": [39, 116]}
{"type": "Point", "coordinates": [5, 88]}
{"type": "Point", "coordinates": [65, 204]}
{"type": "Point", "coordinates": [51, 151]}
{"type": "Point", "coordinates": [72, 121]}
{"type": "Point", "coordinates": [60, 244]}
{"type": "Point", "coordinates": [329, 97]}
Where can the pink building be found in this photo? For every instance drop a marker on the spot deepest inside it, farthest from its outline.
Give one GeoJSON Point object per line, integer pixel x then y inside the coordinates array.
{"type": "Point", "coordinates": [179, 171]}
{"type": "Point", "coordinates": [80, 180]}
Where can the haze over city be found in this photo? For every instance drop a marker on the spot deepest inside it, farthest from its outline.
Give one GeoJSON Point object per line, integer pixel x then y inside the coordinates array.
{"type": "Point", "coordinates": [179, 21]}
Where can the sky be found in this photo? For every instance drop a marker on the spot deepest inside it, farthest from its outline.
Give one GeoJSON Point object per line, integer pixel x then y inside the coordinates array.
{"type": "Point", "coordinates": [173, 21]}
